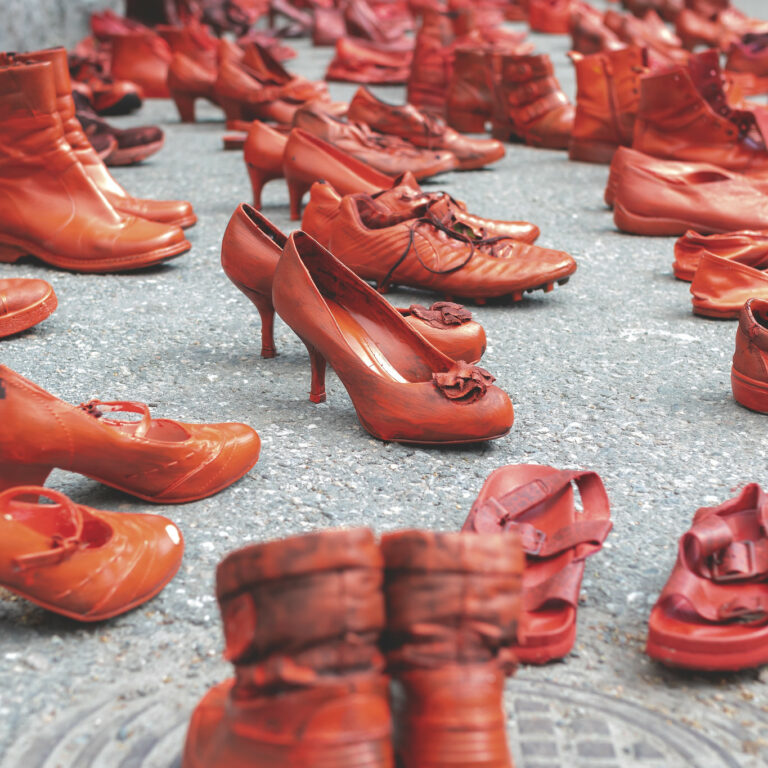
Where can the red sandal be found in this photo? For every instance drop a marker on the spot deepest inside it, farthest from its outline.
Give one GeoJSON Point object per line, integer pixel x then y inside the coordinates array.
{"type": "Point", "coordinates": [537, 502]}
{"type": "Point", "coordinates": [713, 612]}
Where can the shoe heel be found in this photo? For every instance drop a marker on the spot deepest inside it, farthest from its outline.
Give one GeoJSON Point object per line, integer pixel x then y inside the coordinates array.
{"type": "Point", "coordinates": [466, 122]}
{"type": "Point", "coordinates": [258, 179]}
{"type": "Point", "coordinates": [12, 475]}
{"type": "Point", "coordinates": [267, 313]}
{"type": "Point", "coordinates": [297, 188]}
{"type": "Point", "coordinates": [233, 110]}
{"type": "Point", "coordinates": [9, 254]}
{"type": "Point", "coordinates": [185, 104]}
{"type": "Point", "coordinates": [317, 389]}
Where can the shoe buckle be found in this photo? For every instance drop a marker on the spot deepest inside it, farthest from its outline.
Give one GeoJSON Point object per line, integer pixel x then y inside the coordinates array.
{"type": "Point", "coordinates": [531, 539]}
{"type": "Point", "coordinates": [734, 563]}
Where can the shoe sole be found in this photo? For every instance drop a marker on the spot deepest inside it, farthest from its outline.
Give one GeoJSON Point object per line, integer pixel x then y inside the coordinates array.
{"type": "Point", "coordinates": [29, 316]}
{"type": "Point", "coordinates": [13, 249]}
{"type": "Point", "coordinates": [133, 155]}
{"type": "Point", "coordinates": [102, 616]}
{"type": "Point", "coordinates": [655, 226]}
{"type": "Point", "coordinates": [714, 313]}
{"type": "Point", "coordinates": [748, 392]}
{"type": "Point", "coordinates": [234, 141]}
{"type": "Point", "coordinates": [720, 661]}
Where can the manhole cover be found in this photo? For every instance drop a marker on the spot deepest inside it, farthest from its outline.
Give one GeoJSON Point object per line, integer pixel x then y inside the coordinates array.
{"type": "Point", "coordinates": [551, 726]}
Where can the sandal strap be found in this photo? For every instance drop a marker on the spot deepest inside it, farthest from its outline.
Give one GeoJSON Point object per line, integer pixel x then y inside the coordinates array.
{"type": "Point", "coordinates": [591, 530]}
{"type": "Point", "coordinates": [563, 586]}
{"type": "Point", "coordinates": [97, 408]}
{"type": "Point", "coordinates": [61, 547]}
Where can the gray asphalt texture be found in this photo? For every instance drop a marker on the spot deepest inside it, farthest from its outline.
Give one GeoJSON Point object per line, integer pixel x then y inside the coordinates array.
{"type": "Point", "coordinates": [611, 372]}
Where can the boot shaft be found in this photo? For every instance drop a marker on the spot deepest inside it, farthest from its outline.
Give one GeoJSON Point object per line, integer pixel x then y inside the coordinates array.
{"type": "Point", "coordinates": [451, 598]}
{"type": "Point", "coordinates": [297, 609]}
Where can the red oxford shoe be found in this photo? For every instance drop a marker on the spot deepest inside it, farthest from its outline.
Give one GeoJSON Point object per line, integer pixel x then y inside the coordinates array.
{"type": "Point", "coordinates": [83, 563]}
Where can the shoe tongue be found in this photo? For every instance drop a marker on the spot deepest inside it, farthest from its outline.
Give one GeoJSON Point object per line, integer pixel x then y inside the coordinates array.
{"type": "Point", "coordinates": [405, 201]}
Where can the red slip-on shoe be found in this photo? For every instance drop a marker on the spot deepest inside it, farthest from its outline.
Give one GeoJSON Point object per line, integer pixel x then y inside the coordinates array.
{"type": "Point", "coordinates": [402, 387]}
{"type": "Point", "coordinates": [250, 251]}
{"type": "Point", "coordinates": [721, 286]}
{"type": "Point", "coordinates": [749, 372]}
{"type": "Point", "coordinates": [83, 563]}
{"type": "Point", "coordinates": [744, 246]}
{"type": "Point", "coordinates": [647, 202]}
{"type": "Point", "coordinates": [24, 303]}
{"type": "Point", "coordinates": [713, 612]}
{"type": "Point", "coordinates": [158, 460]}
{"type": "Point", "coordinates": [537, 502]}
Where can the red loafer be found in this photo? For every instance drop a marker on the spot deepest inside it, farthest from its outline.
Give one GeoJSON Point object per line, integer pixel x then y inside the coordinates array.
{"type": "Point", "coordinates": [83, 563]}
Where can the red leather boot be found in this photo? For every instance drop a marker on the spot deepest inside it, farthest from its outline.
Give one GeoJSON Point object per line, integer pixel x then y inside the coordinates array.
{"type": "Point", "coordinates": [59, 214]}
{"type": "Point", "coordinates": [608, 87]}
{"type": "Point", "coordinates": [302, 619]}
{"type": "Point", "coordinates": [675, 121]}
{"type": "Point", "coordinates": [453, 602]}
{"type": "Point", "coordinates": [432, 63]}
{"type": "Point", "coordinates": [171, 212]}
{"type": "Point", "coordinates": [470, 93]}
{"type": "Point", "coordinates": [529, 104]}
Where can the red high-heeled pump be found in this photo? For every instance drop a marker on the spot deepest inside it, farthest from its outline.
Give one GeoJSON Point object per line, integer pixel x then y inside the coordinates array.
{"type": "Point", "coordinates": [402, 387]}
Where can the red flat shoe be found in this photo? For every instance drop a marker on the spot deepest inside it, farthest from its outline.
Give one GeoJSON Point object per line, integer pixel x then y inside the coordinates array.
{"type": "Point", "coordinates": [158, 460]}
{"type": "Point", "coordinates": [403, 389]}
{"type": "Point", "coordinates": [83, 563]}
{"type": "Point", "coordinates": [744, 246]}
{"type": "Point", "coordinates": [251, 248]}
{"type": "Point", "coordinates": [721, 286]}
{"type": "Point", "coordinates": [713, 612]}
{"type": "Point", "coordinates": [24, 303]}
{"type": "Point", "coordinates": [537, 502]}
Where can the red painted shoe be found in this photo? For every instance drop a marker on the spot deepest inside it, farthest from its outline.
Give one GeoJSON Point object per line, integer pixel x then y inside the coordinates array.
{"type": "Point", "coordinates": [170, 212]}
{"type": "Point", "coordinates": [142, 58]}
{"type": "Point", "coordinates": [749, 372]}
{"type": "Point", "coordinates": [745, 247]}
{"type": "Point", "coordinates": [529, 104]}
{"type": "Point", "coordinates": [403, 389]}
{"type": "Point", "coordinates": [83, 563]}
{"type": "Point", "coordinates": [648, 201]}
{"type": "Point", "coordinates": [750, 55]}
{"type": "Point", "coordinates": [308, 689]}
{"type": "Point", "coordinates": [251, 248]}
{"type": "Point", "coordinates": [189, 81]}
{"type": "Point", "coordinates": [157, 460]}
{"type": "Point", "coordinates": [307, 159]}
{"type": "Point", "coordinates": [550, 16]}
{"type": "Point", "coordinates": [713, 612]}
{"type": "Point", "coordinates": [721, 286]}
{"type": "Point", "coordinates": [409, 123]}
{"type": "Point", "coordinates": [537, 503]}
{"type": "Point", "coordinates": [453, 602]}
{"type": "Point", "coordinates": [423, 252]}
{"type": "Point", "coordinates": [24, 303]}
{"type": "Point", "coordinates": [406, 200]}
{"type": "Point", "coordinates": [263, 154]}
{"type": "Point", "coordinates": [361, 61]}
{"type": "Point", "coordinates": [388, 154]}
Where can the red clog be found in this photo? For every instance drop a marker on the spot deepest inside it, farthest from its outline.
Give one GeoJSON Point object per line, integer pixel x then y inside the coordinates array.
{"type": "Point", "coordinates": [537, 503]}
{"type": "Point", "coordinates": [83, 563]}
{"type": "Point", "coordinates": [24, 303]}
{"type": "Point", "coordinates": [158, 460]}
{"type": "Point", "coordinates": [713, 612]}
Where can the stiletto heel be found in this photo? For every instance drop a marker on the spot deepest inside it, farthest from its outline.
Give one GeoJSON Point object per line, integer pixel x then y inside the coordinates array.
{"type": "Point", "coordinates": [185, 104]}
{"type": "Point", "coordinates": [259, 177]}
{"type": "Point", "coordinates": [267, 313]}
{"type": "Point", "coordinates": [233, 110]}
{"type": "Point", "coordinates": [297, 188]}
{"type": "Point", "coordinates": [12, 475]}
{"type": "Point", "coordinates": [9, 254]}
{"type": "Point", "coordinates": [317, 389]}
